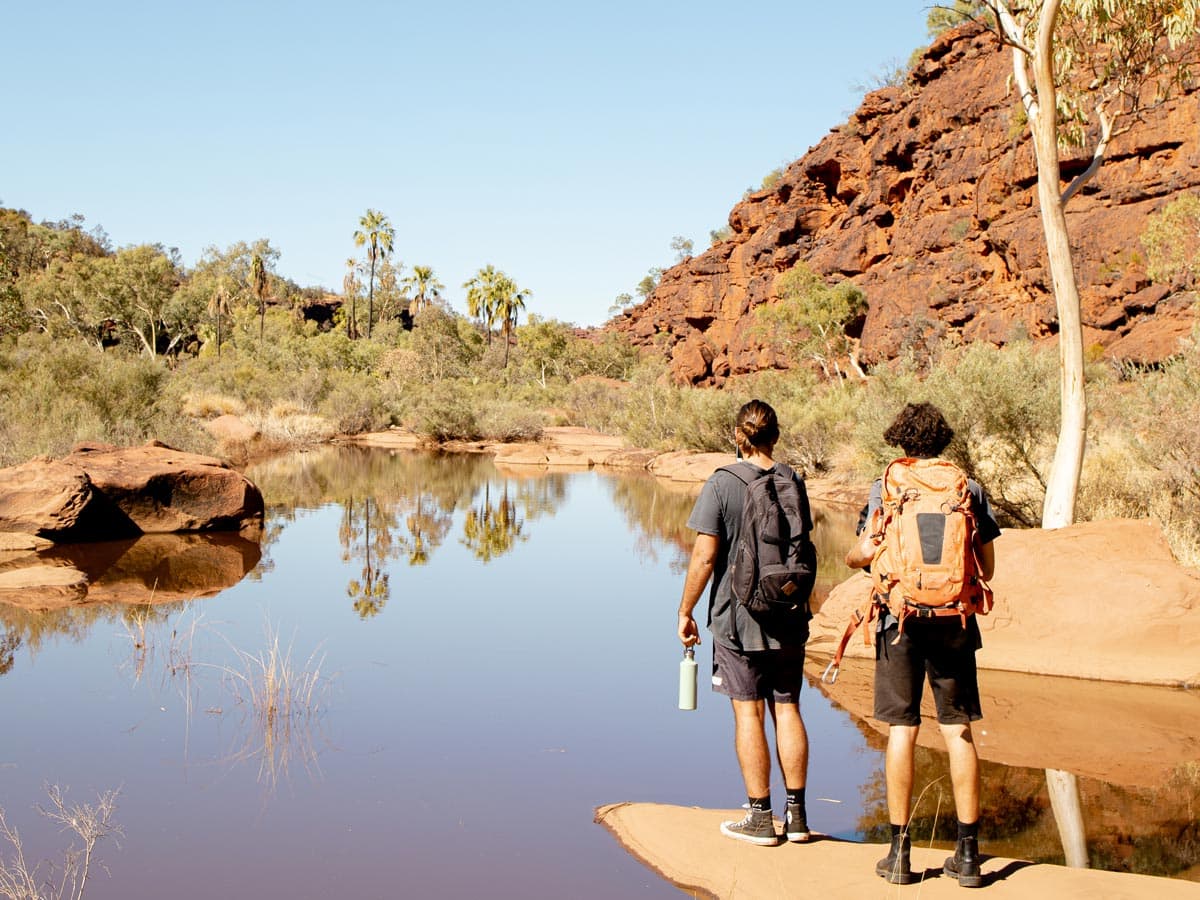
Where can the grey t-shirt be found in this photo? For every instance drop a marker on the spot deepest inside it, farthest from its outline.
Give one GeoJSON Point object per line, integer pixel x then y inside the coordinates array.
{"type": "Point", "coordinates": [718, 511]}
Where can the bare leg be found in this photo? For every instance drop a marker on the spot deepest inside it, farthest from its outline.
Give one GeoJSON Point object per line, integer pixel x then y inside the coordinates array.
{"type": "Point", "coordinates": [964, 770]}
{"type": "Point", "coordinates": [750, 741]}
{"type": "Point", "coordinates": [791, 743]}
{"type": "Point", "coordinates": [898, 765]}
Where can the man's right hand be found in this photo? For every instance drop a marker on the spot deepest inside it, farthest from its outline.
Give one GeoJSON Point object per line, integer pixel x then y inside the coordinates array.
{"type": "Point", "coordinates": [688, 632]}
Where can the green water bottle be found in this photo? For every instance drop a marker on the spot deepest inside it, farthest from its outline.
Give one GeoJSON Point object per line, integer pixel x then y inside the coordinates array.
{"type": "Point", "coordinates": [687, 680]}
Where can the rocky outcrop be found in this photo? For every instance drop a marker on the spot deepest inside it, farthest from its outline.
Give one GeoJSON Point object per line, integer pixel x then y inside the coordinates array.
{"type": "Point", "coordinates": [925, 199]}
{"type": "Point", "coordinates": [99, 492]}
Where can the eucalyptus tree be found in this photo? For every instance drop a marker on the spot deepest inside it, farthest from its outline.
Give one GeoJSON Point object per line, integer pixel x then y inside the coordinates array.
{"type": "Point", "coordinates": [378, 235]}
{"type": "Point", "coordinates": [1084, 70]}
{"type": "Point", "coordinates": [424, 286]}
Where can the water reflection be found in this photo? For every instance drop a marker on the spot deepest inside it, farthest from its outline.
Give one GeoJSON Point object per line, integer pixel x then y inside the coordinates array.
{"type": "Point", "coordinates": [1133, 749]}
{"type": "Point", "coordinates": [132, 581]}
{"type": "Point", "coordinates": [407, 783]}
{"type": "Point", "coordinates": [366, 535]}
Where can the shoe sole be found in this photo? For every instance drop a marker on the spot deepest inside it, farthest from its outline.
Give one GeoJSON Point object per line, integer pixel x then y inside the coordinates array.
{"type": "Point", "coordinates": [748, 838]}
{"type": "Point", "coordinates": [801, 837]}
{"type": "Point", "coordinates": [968, 881]}
{"type": "Point", "coordinates": [894, 877]}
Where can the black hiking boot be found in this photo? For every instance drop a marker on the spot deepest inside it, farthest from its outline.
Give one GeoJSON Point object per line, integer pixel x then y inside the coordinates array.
{"type": "Point", "coordinates": [964, 864]}
{"type": "Point", "coordinates": [895, 867]}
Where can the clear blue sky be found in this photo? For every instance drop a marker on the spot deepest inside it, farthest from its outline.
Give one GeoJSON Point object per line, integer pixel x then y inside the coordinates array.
{"type": "Point", "coordinates": [563, 143]}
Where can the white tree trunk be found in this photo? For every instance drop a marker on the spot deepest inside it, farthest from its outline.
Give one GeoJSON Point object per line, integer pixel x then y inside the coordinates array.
{"type": "Point", "coordinates": [1063, 788]}
{"type": "Point", "coordinates": [1063, 483]}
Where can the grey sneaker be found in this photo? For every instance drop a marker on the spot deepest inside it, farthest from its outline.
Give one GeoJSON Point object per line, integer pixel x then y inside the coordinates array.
{"type": "Point", "coordinates": [757, 828]}
{"type": "Point", "coordinates": [795, 826]}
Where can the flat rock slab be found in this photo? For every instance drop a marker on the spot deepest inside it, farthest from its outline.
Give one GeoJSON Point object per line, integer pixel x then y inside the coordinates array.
{"type": "Point", "coordinates": [1134, 735]}
{"type": "Point", "coordinates": [686, 847]}
{"type": "Point", "coordinates": [1100, 600]}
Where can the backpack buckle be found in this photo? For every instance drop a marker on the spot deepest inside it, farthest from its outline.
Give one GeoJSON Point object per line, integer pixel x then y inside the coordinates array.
{"type": "Point", "coordinates": [830, 675]}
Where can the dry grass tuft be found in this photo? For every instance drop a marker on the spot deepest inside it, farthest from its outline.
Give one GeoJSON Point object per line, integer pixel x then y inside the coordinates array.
{"type": "Point", "coordinates": [284, 704]}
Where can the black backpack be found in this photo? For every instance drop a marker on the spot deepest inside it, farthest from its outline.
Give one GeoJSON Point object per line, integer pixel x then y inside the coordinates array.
{"type": "Point", "coordinates": [774, 565]}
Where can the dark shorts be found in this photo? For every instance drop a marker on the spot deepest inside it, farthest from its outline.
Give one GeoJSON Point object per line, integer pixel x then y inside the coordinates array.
{"type": "Point", "coordinates": [759, 675]}
{"type": "Point", "coordinates": [942, 650]}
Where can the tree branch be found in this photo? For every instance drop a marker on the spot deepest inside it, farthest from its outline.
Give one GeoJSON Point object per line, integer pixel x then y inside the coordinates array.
{"type": "Point", "coordinates": [1106, 131]}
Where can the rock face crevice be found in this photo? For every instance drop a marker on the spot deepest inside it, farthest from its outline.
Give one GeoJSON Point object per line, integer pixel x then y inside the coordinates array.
{"type": "Point", "coordinates": [925, 199]}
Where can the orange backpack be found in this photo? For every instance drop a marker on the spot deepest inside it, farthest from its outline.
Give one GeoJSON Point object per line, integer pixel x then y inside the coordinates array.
{"type": "Point", "coordinates": [926, 561]}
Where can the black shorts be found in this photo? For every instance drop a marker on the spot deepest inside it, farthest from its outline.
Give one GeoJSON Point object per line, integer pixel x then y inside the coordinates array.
{"type": "Point", "coordinates": [759, 674]}
{"type": "Point", "coordinates": [941, 649]}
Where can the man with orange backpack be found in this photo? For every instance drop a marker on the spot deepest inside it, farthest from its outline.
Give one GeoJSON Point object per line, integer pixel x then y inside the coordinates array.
{"type": "Point", "coordinates": [927, 543]}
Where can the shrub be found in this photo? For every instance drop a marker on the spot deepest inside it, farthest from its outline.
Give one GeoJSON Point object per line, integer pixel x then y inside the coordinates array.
{"type": "Point", "coordinates": [508, 422]}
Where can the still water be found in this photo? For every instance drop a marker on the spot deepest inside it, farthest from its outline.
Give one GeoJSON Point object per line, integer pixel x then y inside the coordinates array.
{"type": "Point", "coordinates": [478, 660]}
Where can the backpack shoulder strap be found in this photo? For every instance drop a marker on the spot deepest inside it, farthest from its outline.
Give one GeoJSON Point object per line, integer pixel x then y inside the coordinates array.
{"type": "Point", "coordinates": [738, 471]}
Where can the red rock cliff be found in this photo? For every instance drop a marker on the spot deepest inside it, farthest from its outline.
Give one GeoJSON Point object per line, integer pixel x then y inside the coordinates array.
{"type": "Point", "coordinates": [925, 199]}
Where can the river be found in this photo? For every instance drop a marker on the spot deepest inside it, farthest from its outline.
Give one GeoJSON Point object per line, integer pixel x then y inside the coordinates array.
{"type": "Point", "coordinates": [466, 662]}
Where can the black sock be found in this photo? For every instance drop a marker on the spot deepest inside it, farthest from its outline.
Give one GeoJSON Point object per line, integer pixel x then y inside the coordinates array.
{"type": "Point", "coordinates": [760, 802]}
{"type": "Point", "coordinates": [896, 830]}
{"type": "Point", "coordinates": [796, 795]}
{"type": "Point", "coordinates": [968, 831]}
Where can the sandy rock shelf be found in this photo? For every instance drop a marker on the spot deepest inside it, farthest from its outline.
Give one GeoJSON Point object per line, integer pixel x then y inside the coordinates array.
{"type": "Point", "coordinates": [684, 845]}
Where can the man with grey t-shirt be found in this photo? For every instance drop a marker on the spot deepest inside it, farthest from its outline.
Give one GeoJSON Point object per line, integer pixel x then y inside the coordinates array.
{"type": "Point", "coordinates": [758, 661]}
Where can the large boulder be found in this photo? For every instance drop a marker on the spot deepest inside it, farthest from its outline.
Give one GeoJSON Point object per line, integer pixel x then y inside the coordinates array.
{"type": "Point", "coordinates": [44, 497]}
{"type": "Point", "coordinates": [99, 492]}
{"type": "Point", "coordinates": [155, 489]}
{"type": "Point", "coordinates": [1102, 600]}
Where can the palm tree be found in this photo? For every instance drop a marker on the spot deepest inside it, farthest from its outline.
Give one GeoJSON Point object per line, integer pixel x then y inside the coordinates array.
{"type": "Point", "coordinates": [258, 284]}
{"type": "Point", "coordinates": [218, 306]}
{"type": "Point", "coordinates": [377, 233]}
{"type": "Point", "coordinates": [481, 297]}
{"type": "Point", "coordinates": [510, 300]}
{"type": "Point", "coordinates": [424, 286]}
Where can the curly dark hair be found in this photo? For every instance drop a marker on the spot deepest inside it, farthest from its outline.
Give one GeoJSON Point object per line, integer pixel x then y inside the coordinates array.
{"type": "Point", "coordinates": [920, 430]}
{"type": "Point", "coordinates": [756, 426]}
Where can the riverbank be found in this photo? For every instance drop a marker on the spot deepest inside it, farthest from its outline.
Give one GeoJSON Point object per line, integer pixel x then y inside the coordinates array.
{"type": "Point", "coordinates": [685, 846]}
{"type": "Point", "coordinates": [572, 448]}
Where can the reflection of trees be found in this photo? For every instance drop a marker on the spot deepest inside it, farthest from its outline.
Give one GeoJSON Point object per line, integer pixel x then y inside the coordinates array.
{"type": "Point", "coordinates": [427, 524]}
{"type": "Point", "coordinates": [366, 532]}
{"type": "Point", "coordinates": [491, 529]}
{"type": "Point", "coordinates": [656, 514]}
{"type": "Point", "coordinates": [8, 648]}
